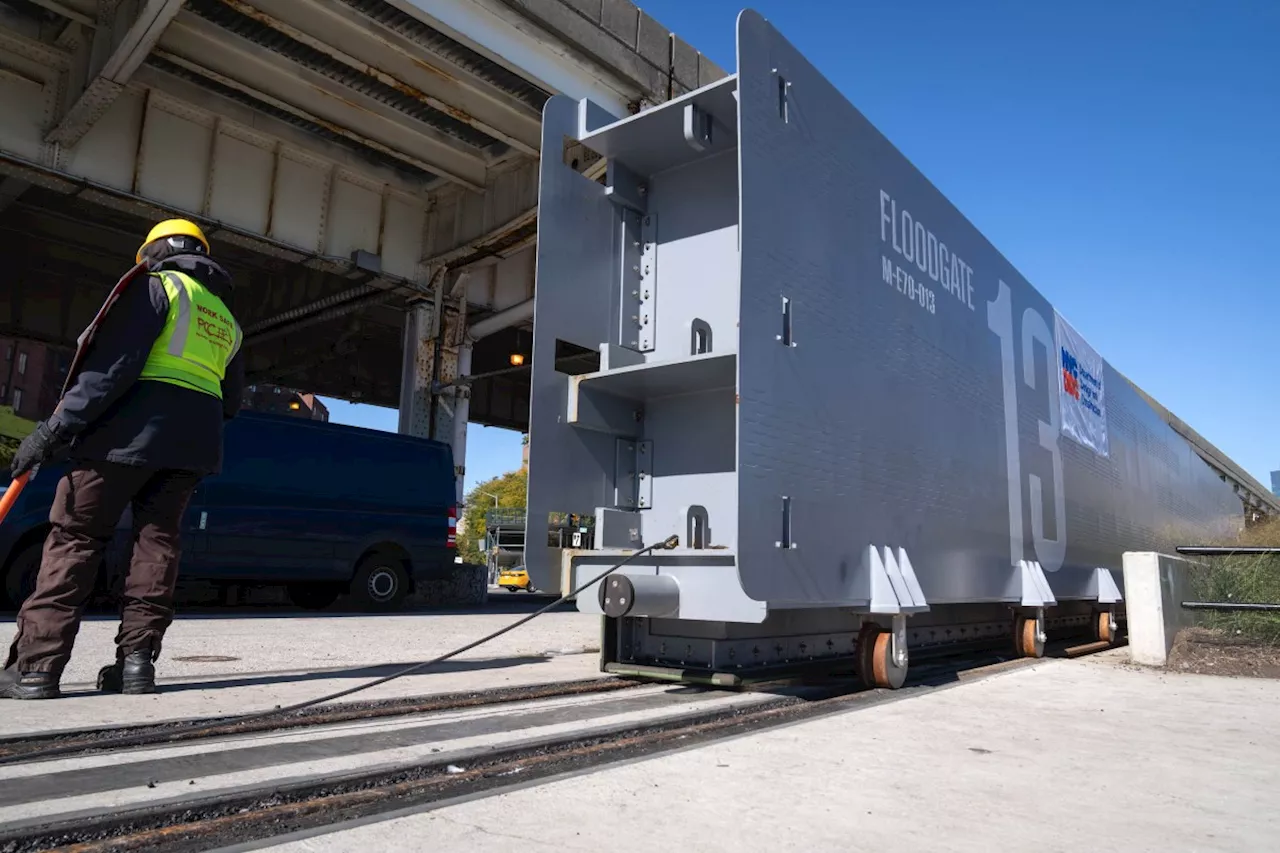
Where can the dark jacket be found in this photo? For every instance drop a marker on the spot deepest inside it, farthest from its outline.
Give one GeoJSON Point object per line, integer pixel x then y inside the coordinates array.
{"type": "Point", "coordinates": [114, 417]}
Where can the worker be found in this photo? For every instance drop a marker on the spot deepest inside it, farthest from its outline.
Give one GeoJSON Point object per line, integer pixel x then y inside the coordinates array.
{"type": "Point", "coordinates": [140, 424]}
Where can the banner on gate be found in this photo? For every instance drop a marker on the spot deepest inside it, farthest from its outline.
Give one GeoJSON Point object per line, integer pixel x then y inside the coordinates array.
{"type": "Point", "coordinates": [1081, 394]}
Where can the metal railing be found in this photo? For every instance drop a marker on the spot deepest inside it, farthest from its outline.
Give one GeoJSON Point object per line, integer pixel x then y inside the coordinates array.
{"type": "Point", "coordinates": [1235, 587]}
{"type": "Point", "coordinates": [505, 517]}
{"type": "Point", "coordinates": [1230, 607]}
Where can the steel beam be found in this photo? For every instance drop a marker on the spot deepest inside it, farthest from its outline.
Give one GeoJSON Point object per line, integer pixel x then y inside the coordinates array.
{"type": "Point", "coordinates": [192, 92]}
{"type": "Point", "coordinates": [16, 44]}
{"type": "Point", "coordinates": [114, 57]}
{"type": "Point", "coordinates": [368, 300]}
{"type": "Point", "coordinates": [150, 209]}
{"type": "Point", "coordinates": [204, 44]}
{"type": "Point", "coordinates": [65, 11]}
{"type": "Point", "coordinates": [415, 370]}
{"type": "Point", "coordinates": [455, 257]}
{"type": "Point", "coordinates": [285, 106]}
{"type": "Point", "coordinates": [511, 40]}
{"type": "Point", "coordinates": [342, 33]}
{"type": "Point", "coordinates": [504, 319]}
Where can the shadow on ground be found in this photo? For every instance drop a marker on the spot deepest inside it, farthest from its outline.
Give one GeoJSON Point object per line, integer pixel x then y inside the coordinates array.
{"type": "Point", "coordinates": [213, 681]}
{"type": "Point", "coordinates": [498, 604]}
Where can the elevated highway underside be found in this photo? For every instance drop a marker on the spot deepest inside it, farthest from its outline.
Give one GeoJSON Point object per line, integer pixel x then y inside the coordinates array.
{"type": "Point", "coordinates": [367, 169]}
{"type": "Point", "coordinates": [331, 330]}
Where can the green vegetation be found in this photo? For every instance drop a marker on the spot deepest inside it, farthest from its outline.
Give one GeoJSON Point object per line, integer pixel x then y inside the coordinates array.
{"type": "Point", "coordinates": [12, 430]}
{"type": "Point", "coordinates": [1242, 579]}
{"type": "Point", "coordinates": [510, 489]}
{"type": "Point", "coordinates": [12, 426]}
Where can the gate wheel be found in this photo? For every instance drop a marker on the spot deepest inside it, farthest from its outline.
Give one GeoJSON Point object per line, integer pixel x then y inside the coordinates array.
{"type": "Point", "coordinates": [876, 667]}
{"type": "Point", "coordinates": [1026, 639]}
{"type": "Point", "coordinates": [1104, 627]}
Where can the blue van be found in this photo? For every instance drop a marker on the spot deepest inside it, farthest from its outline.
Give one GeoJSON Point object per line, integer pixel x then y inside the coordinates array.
{"type": "Point", "coordinates": [323, 509]}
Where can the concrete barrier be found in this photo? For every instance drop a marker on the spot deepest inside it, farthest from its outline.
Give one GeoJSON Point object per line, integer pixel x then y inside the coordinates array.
{"type": "Point", "coordinates": [1155, 585]}
{"type": "Point", "coordinates": [465, 585]}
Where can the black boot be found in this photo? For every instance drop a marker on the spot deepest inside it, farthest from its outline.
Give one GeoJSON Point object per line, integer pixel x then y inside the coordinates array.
{"type": "Point", "coordinates": [134, 674]}
{"type": "Point", "coordinates": [28, 685]}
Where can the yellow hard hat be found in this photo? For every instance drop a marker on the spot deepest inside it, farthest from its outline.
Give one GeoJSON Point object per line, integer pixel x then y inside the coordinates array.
{"type": "Point", "coordinates": [173, 228]}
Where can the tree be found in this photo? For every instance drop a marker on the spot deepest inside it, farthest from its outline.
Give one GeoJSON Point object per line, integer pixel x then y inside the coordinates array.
{"type": "Point", "coordinates": [511, 490]}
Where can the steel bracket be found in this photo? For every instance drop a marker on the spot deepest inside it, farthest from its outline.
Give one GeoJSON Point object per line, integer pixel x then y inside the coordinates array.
{"type": "Point", "coordinates": [625, 188]}
{"type": "Point", "coordinates": [891, 583]}
{"type": "Point", "coordinates": [637, 278]}
{"type": "Point", "coordinates": [648, 282]}
{"type": "Point", "coordinates": [898, 640]}
{"type": "Point", "coordinates": [698, 127]}
{"type": "Point", "coordinates": [1035, 590]}
{"type": "Point", "coordinates": [633, 478]}
{"type": "Point", "coordinates": [1103, 587]}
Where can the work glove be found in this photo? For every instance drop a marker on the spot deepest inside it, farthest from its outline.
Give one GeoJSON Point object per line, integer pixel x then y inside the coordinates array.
{"type": "Point", "coordinates": [42, 445]}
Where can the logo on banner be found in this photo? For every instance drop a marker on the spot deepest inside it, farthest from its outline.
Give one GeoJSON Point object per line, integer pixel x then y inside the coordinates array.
{"type": "Point", "coordinates": [1071, 382]}
{"type": "Point", "coordinates": [1083, 404]}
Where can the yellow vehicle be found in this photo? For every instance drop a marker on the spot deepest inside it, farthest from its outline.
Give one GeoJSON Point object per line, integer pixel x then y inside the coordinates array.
{"type": "Point", "coordinates": [515, 578]}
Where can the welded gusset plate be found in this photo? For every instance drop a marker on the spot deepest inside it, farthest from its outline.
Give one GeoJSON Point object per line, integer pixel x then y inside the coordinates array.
{"type": "Point", "coordinates": [899, 380]}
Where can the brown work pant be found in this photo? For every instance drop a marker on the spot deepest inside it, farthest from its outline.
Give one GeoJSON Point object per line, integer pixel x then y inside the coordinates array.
{"type": "Point", "coordinates": [86, 508]}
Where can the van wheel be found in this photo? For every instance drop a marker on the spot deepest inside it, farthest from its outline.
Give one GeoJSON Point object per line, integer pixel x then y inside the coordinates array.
{"type": "Point", "coordinates": [314, 596]}
{"type": "Point", "coordinates": [380, 583]}
{"type": "Point", "coordinates": [20, 580]}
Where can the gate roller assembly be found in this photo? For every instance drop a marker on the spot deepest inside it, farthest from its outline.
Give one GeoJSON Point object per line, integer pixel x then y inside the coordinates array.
{"type": "Point", "coordinates": [640, 595]}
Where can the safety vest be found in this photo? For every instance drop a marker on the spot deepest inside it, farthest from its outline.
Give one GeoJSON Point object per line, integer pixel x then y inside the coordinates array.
{"type": "Point", "coordinates": [199, 340]}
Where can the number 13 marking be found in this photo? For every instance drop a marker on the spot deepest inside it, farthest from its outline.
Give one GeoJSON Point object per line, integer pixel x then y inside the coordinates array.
{"type": "Point", "coordinates": [1049, 552]}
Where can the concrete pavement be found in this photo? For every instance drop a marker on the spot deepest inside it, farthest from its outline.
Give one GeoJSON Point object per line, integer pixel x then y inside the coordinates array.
{"type": "Point", "coordinates": [96, 786]}
{"type": "Point", "coordinates": [1062, 756]}
{"type": "Point", "coordinates": [238, 662]}
{"type": "Point", "coordinates": [1068, 755]}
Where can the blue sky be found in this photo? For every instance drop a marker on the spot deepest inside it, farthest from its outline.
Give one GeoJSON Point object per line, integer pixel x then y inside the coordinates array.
{"type": "Point", "coordinates": [1124, 156]}
{"type": "Point", "coordinates": [490, 451]}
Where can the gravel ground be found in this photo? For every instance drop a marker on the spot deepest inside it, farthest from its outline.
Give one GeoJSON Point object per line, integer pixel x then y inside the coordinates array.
{"type": "Point", "coordinates": [1208, 652]}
